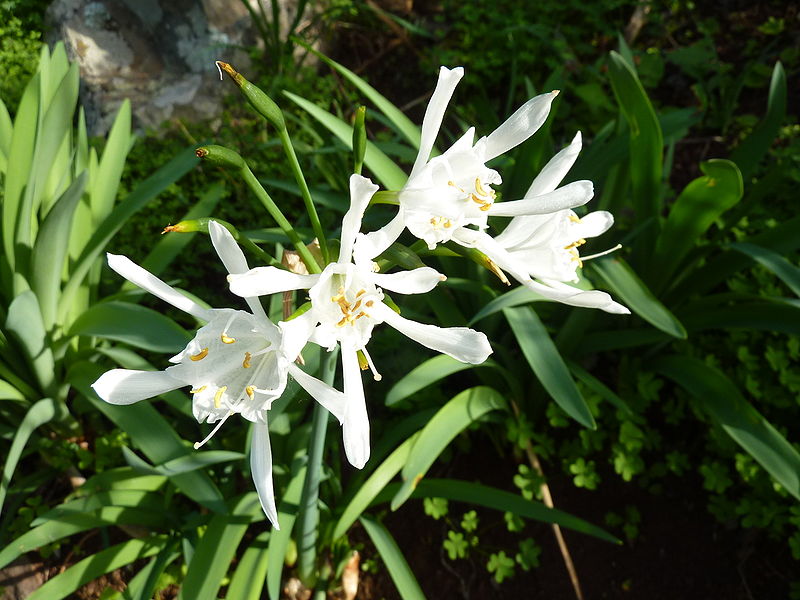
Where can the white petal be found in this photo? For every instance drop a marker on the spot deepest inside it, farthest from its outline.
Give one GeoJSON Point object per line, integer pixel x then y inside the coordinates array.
{"type": "Point", "coordinates": [576, 297]}
{"type": "Point", "coordinates": [554, 171]}
{"type": "Point", "coordinates": [355, 429]}
{"type": "Point", "coordinates": [125, 386]}
{"type": "Point", "coordinates": [593, 224]}
{"type": "Point", "coordinates": [332, 399]}
{"type": "Point", "coordinates": [462, 343]}
{"type": "Point", "coordinates": [361, 191]}
{"type": "Point", "coordinates": [571, 195]}
{"type": "Point", "coordinates": [296, 333]}
{"type": "Point", "coordinates": [262, 281]}
{"type": "Point", "coordinates": [417, 281]}
{"type": "Point", "coordinates": [519, 126]}
{"type": "Point", "coordinates": [370, 245]}
{"type": "Point", "coordinates": [261, 469]}
{"type": "Point", "coordinates": [499, 255]}
{"type": "Point", "coordinates": [445, 86]}
{"type": "Point", "coordinates": [147, 281]}
{"type": "Point", "coordinates": [233, 258]}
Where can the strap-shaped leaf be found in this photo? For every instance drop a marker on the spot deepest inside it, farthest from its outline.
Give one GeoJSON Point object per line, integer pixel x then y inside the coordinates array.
{"type": "Point", "coordinates": [50, 249]}
{"type": "Point", "coordinates": [399, 571]}
{"type": "Point", "coordinates": [143, 584]}
{"type": "Point", "coordinates": [387, 172]}
{"type": "Point", "coordinates": [42, 412]}
{"type": "Point", "coordinates": [213, 554]}
{"type": "Point", "coordinates": [774, 262]}
{"type": "Point", "coordinates": [279, 540]}
{"type": "Point", "coordinates": [721, 399]}
{"type": "Point", "coordinates": [182, 464]}
{"type": "Point", "coordinates": [460, 412]}
{"type": "Point", "coordinates": [547, 364]}
{"type": "Point", "coordinates": [106, 181]}
{"type": "Point", "coordinates": [429, 372]}
{"type": "Point", "coordinates": [248, 580]}
{"type": "Point", "coordinates": [700, 203]}
{"type": "Point", "coordinates": [621, 279]}
{"type": "Point", "coordinates": [132, 324]}
{"type": "Point", "coordinates": [24, 320]}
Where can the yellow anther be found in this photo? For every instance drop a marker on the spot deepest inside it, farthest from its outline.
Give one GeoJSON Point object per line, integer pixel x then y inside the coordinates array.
{"type": "Point", "coordinates": [226, 339]}
{"type": "Point", "coordinates": [484, 204]}
{"type": "Point", "coordinates": [574, 218]}
{"type": "Point", "coordinates": [198, 390]}
{"type": "Point", "coordinates": [218, 396]}
{"type": "Point", "coordinates": [250, 391]}
{"type": "Point", "coordinates": [200, 355]}
{"type": "Point", "coordinates": [482, 191]}
{"type": "Point", "coordinates": [246, 361]}
{"type": "Point", "coordinates": [441, 222]}
{"type": "Point", "coordinates": [575, 244]}
{"type": "Point", "coordinates": [369, 303]}
{"type": "Point", "coordinates": [453, 184]}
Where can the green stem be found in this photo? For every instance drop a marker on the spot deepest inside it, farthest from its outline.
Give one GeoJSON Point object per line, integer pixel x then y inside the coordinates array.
{"type": "Point", "coordinates": [282, 222]}
{"type": "Point", "coordinates": [308, 521]}
{"type": "Point", "coordinates": [304, 191]}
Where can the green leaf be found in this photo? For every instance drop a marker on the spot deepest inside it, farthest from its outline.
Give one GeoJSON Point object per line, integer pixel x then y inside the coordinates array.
{"type": "Point", "coordinates": [24, 320]}
{"type": "Point", "coordinates": [132, 324]}
{"type": "Point", "coordinates": [774, 262]}
{"type": "Point", "coordinates": [516, 297]}
{"type": "Point", "coordinates": [106, 181]}
{"type": "Point", "coordinates": [429, 372]}
{"type": "Point", "coordinates": [387, 172]}
{"type": "Point", "coordinates": [97, 564]}
{"type": "Point", "coordinates": [9, 392]}
{"type": "Point", "coordinates": [621, 279]}
{"type": "Point", "coordinates": [700, 203]}
{"type": "Point", "coordinates": [721, 399]}
{"type": "Point", "coordinates": [182, 464]}
{"type": "Point", "coordinates": [373, 486]}
{"type": "Point", "coordinates": [546, 362]}
{"type": "Point", "coordinates": [248, 580]}
{"type": "Point", "coordinates": [598, 387]}
{"type": "Point", "coordinates": [145, 500]}
{"type": "Point", "coordinates": [143, 584]}
{"type": "Point", "coordinates": [213, 554]}
{"type": "Point", "coordinates": [42, 412]}
{"type": "Point", "coordinates": [753, 149]}
{"type": "Point", "coordinates": [50, 249]}
{"type": "Point", "coordinates": [144, 192]}
{"type": "Point", "coordinates": [763, 316]}
{"type": "Point", "coordinates": [279, 540]}
{"type": "Point", "coordinates": [399, 571]}
{"type": "Point", "coordinates": [460, 412]}
{"type": "Point", "coordinates": [646, 141]}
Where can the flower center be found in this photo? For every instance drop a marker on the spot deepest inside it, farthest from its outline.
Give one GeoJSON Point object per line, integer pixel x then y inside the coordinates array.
{"type": "Point", "coordinates": [482, 196]}
{"type": "Point", "coordinates": [441, 223]}
{"type": "Point", "coordinates": [351, 311]}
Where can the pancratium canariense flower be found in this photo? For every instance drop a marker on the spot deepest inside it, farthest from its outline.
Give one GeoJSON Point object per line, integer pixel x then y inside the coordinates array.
{"type": "Point", "coordinates": [450, 197]}
{"type": "Point", "coordinates": [238, 362]}
{"type": "Point", "coordinates": [347, 303]}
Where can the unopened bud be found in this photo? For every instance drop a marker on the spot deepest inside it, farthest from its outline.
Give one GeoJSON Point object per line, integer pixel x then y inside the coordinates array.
{"type": "Point", "coordinates": [263, 104]}
{"type": "Point", "coordinates": [359, 139]}
{"type": "Point", "coordinates": [220, 156]}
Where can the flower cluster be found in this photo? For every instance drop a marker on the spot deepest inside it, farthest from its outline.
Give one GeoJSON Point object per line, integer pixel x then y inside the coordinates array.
{"type": "Point", "coordinates": [239, 361]}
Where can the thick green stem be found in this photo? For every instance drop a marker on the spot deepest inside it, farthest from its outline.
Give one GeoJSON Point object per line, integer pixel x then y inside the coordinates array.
{"type": "Point", "coordinates": [282, 222]}
{"type": "Point", "coordinates": [304, 191]}
{"type": "Point", "coordinates": [308, 521]}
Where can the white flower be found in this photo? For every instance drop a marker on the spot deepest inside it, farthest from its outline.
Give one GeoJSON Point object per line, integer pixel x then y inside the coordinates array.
{"type": "Point", "coordinates": [238, 362]}
{"type": "Point", "coordinates": [450, 197]}
{"type": "Point", "coordinates": [347, 303]}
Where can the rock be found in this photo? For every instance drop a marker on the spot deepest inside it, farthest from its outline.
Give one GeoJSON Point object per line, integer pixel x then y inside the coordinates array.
{"type": "Point", "coordinates": [159, 54]}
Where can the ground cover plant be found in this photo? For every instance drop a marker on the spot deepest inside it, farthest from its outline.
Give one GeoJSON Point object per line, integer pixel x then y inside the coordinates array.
{"type": "Point", "coordinates": [692, 395]}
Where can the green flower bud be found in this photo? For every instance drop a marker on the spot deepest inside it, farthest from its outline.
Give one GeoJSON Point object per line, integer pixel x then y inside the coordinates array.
{"type": "Point", "coordinates": [359, 139]}
{"type": "Point", "coordinates": [263, 104]}
{"type": "Point", "coordinates": [220, 156]}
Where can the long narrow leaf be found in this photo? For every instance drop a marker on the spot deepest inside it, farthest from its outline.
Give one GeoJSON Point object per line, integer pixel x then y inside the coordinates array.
{"type": "Point", "coordinates": [774, 262]}
{"type": "Point", "coordinates": [248, 580]}
{"type": "Point", "coordinates": [429, 372]}
{"type": "Point", "coordinates": [279, 540]}
{"type": "Point", "coordinates": [399, 571]}
{"type": "Point", "coordinates": [24, 320]}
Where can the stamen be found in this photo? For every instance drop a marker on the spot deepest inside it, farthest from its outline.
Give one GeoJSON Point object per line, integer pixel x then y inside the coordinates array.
{"type": "Point", "coordinates": [262, 351]}
{"type": "Point", "coordinates": [218, 396]}
{"type": "Point", "coordinates": [200, 355]}
{"type": "Point", "coordinates": [375, 375]}
{"type": "Point", "coordinates": [574, 218]}
{"type": "Point", "coordinates": [198, 390]}
{"type": "Point", "coordinates": [246, 362]}
{"type": "Point", "coordinates": [369, 303]}
{"type": "Point", "coordinates": [224, 336]}
{"type": "Point", "coordinates": [197, 445]}
{"type": "Point", "coordinates": [226, 340]}
{"type": "Point", "coordinates": [250, 391]}
{"type": "Point", "coordinates": [599, 254]}
{"type": "Point", "coordinates": [441, 222]}
{"type": "Point", "coordinates": [453, 184]}
{"type": "Point", "coordinates": [575, 244]}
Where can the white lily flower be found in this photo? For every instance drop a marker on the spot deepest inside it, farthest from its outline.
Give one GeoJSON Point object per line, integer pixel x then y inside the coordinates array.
{"type": "Point", "coordinates": [236, 363]}
{"type": "Point", "coordinates": [347, 303]}
{"type": "Point", "coordinates": [450, 197]}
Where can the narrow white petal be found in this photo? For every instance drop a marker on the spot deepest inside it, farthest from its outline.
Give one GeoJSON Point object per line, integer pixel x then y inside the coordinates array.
{"type": "Point", "coordinates": [147, 281]}
{"type": "Point", "coordinates": [125, 386]}
{"type": "Point", "coordinates": [519, 126]}
{"type": "Point", "coordinates": [571, 195]}
{"type": "Point", "coordinates": [263, 281]}
{"type": "Point", "coordinates": [556, 169]}
{"type": "Point", "coordinates": [445, 86]}
{"type": "Point", "coordinates": [594, 224]}
{"type": "Point", "coordinates": [576, 297]}
{"type": "Point", "coordinates": [296, 333]}
{"type": "Point", "coordinates": [370, 245]}
{"type": "Point", "coordinates": [496, 253]}
{"type": "Point", "coordinates": [332, 399]}
{"type": "Point", "coordinates": [355, 429]}
{"type": "Point", "coordinates": [462, 343]}
{"type": "Point", "coordinates": [361, 191]}
{"type": "Point", "coordinates": [233, 258]}
{"type": "Point", "coordinates": [417, 281]}
{"type": "Point", "coordinates": [261, 469]}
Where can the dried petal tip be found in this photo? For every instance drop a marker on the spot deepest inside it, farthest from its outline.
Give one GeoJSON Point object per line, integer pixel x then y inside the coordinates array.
{"type": "Point", "coordinates": [201, 152]}
{"type": "Point", "coordinates": [555, 93]}
{"type": "Point", "coordinates": [182, 227]}
{"type": "Point", "coordinates": [167, 229]}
